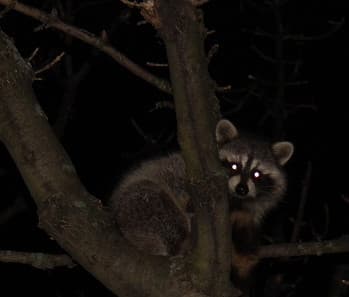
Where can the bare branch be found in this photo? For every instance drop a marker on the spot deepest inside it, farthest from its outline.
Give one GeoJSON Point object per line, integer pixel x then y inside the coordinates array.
{"type": "Point", "coordinates": [197, 113]}
{"type": "Point", "coordinates": [72, 82]}
{"type": "Point", "coordinates": [135, 4]}
{"type": "Point", "coordinates": [37, 260]}
{"type": "Point", "coordinates": [45, 26]}
{"type": "Point", "coordinates": [160, 65]}
{"type": "Point", "coordinates": [270, 83]}
{"type": "Point", "coordinates": [51, 64]}
{"type": "Point", "coordinates": [340, 245]}
{"type": "Point", "coordinates": [89, 38]}
{"type": "Point", "coordinates": [223, 89]}
{"type": "Point", "coordinates": [140, 131]}
{"type": "Point", "coordinates": [67, 212]}
{"type": "Point", "coordinates": [335, 26]}
{"type": "Point", "coordinates": [294, 108]}
{"type": "Point", "coordinates": [259, 32]}
{"type": "Point", "coordinates": [213, 50]}
{"type": "Point", "coordinates": [163, 104]}
{"type": "Point", "coordinates": [35, 52]}
{"type": "Point", "coordinates": [267, 58]}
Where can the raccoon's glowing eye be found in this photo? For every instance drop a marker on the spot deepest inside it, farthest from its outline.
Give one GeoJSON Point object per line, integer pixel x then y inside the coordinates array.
{"type": "Point", "coordinates": [235, 168]}
{"type": "Point", "coordinates": [256, 174]}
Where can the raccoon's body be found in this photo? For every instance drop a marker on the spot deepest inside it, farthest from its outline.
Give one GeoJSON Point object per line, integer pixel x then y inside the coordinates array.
{"type": "Point", "coordinates": [150, 205]}
{"type": "Point", "coordinates": [151, 202]}
{"type": "Point", "coordinates": [256, 184]}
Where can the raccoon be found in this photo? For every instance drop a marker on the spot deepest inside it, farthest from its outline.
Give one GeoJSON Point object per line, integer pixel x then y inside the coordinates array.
{"type": "Point", "coordinates": [256, 180]}
{"type": "Point", "coordinates": [256, 183]}
{"type": "Point", "coordinates": [152, 204]}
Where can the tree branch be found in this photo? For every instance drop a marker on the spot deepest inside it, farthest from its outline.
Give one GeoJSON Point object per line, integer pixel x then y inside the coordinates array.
{"type": "Point", "coordinates": [340, 245]}
{"type": "Point", "coordinates": [49, 261]}
{"type": "Point", "coordinates": [37, 260]}
{"type": "Point", "coordinates": [335, 26]}
{"type": "Point", "coordinates": [197, 111]}
{"type": "Point", "coordinates": [67, 212]}
{"type": "Point", "coordinates": [55, 22]}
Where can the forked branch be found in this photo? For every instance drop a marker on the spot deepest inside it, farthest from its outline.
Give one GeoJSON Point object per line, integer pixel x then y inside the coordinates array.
{"type": "Point", "coordinates": [89, 38]}
{"type": "Point", "coordinates": [67, 212]}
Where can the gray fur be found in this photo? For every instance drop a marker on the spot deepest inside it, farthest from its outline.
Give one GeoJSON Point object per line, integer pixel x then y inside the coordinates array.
{"type": "Point", "coordinates": [254, 154]}
{"type": "Point", "coordinates": [151, 201]}
{"type": "Point", "coordinates": [150, 205]}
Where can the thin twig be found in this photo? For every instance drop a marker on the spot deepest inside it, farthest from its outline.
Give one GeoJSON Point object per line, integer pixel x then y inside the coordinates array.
{"type": "Point", "coordinates": [160, 65]}
{"type": "Point", "coordinates": [72, 82]}
{"type": "Point", "coordinates": [335, 26]}
{"type": "Point", "coordinates": [134, 3]}
{"type": "Point", "coordinates": [35, 52]}
{"type": "Point", "coordinates": [270, 83]}
{"type": "Point", "coordinates": [223, 89]}
{"type": "Point", "coordinates": [340, 245]}
{"type": "Point", "coordinates": [55, 22]}
{"type": "Point", "coordinates": [213, 50]}
{"type": "Point", "coordinates": [140, 131]}
{"type": "Point", "coordinates": [51, 64]}
{"type": "Point", "coordinates": [259, 32]}
{"type": "Point", "coordinates": [37, 260]}
{"type": "Point", "coordinates": [163, 104]}
{"type": "Point", "coordinates": [269, 59]}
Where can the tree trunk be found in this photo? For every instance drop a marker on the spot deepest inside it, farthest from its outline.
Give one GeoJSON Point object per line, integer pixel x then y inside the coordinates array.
{"type": "Point", "coordinates": [78, 221]}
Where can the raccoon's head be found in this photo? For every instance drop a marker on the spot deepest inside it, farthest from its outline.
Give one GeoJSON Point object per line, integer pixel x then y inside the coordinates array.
{"type": "Point", "coordinates": [256, 180]}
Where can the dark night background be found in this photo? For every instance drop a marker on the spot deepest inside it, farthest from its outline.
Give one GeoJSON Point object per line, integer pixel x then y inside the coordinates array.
{"type": "Point", "coordinates": [114, 122]}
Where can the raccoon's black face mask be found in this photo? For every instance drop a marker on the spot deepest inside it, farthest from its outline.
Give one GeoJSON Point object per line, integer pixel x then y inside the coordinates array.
{"type": "Point", "coordinates": [255, 178]}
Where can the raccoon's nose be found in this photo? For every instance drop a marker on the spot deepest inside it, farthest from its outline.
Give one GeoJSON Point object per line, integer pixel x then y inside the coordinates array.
{"type": "Point", "coordinates": [241, 189]}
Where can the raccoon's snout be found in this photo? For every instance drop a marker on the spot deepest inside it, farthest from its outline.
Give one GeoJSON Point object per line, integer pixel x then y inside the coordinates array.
{"type": "Point", "coordinates": [241, 189]}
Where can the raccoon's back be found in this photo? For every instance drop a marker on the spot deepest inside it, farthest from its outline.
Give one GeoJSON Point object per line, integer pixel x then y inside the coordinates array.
{"type": "Point", "coordinates": [150, 205]}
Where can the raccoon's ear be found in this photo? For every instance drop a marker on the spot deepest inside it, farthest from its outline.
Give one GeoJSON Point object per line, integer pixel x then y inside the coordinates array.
{"type": "Point", "coordinates": [282, 151]}
{"type": "Point", "coordinates": [225, 132]}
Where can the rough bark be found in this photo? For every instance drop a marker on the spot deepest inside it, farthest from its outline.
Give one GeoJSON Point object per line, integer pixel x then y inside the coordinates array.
{"type": "Point", "coordinates": [340, 245]}
{"type": "Point", "coordinates": [78, 222]}
{"type": "Point", "coordinates": [67, 212]}
{"type": "Point", "coordinates": [197, 110]}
